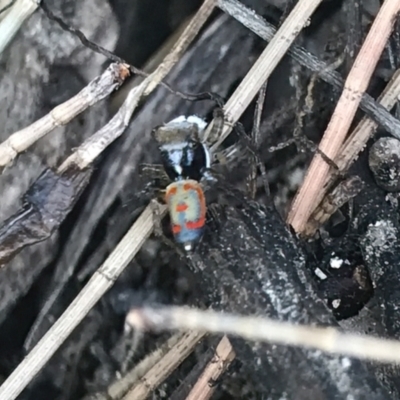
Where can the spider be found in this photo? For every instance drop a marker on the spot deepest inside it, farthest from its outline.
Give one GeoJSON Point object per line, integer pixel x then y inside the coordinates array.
{"type": "Point", "coordinates": [186, 173]}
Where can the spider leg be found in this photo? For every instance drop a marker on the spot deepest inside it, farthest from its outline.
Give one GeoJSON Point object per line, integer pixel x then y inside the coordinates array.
{"type": "Point", "coordinates": [153, 178]}
{"type": "Point", "coordinates": [256, 154]}
{"type": "Point", "coordinates": [209, 178]}
{"type": "Point", "coordinates": [231, 155]}
{"type": "Point", "coordinates": [217, 127]}
{"type": "Point", "coordinates": [154, 172]}
{"type": "Point", "coordinates": [157, 219]}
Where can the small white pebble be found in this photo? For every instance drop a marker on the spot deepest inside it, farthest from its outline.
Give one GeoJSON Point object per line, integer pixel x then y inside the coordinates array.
{"type": "Point", "coordinates": [336, 303]}
{"type": "Point", "coordinates": [346, 362]}
{"type": "Point", "coordinates": [336, 262]}
{"type": "Point", "coordinates": [320, 274]}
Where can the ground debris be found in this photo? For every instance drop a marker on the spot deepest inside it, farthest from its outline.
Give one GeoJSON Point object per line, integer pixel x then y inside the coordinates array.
{"type": "Point", "coordinates": [251, 264]}
{"type": "Point", "coordinates": [46, 204]}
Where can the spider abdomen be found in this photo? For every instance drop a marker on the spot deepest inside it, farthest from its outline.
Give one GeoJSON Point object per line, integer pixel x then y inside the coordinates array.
{"type": "Point", "coordinates": [187, 209]}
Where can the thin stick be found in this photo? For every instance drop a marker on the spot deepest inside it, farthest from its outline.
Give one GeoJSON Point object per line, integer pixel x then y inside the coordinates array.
{"type": "Point", "coordinates": [96, 90]}
{"type": "Point", "coordinates": [356, 142]}
{"type": "Point", "coordinates": [165, 367]}
{"type": "Point", "coordinates": [5, 5]}
{"type": "Point", "coordinates": [223, 356]}
{"type": "Point", "coordinates": [266, 31]}
{"type": "Point", "coordinates": [93, 147]}
{"type": "Point", "coordinates": [330, 340]}
{"type": "Point", "coordinates": [353, 145]}
{"type": "Point", "coordinates": [89, 151]}
{"type": "Point", "coordinates": [103, 279]}
{"type": "Point", "coordinates": [100, 282]}
{"type": "Point", "coordinates": [356, 84]}
{"type": "Point", "coordinates": [354, 30]}
{"type": "Point", "coordinates": [341, 194]}
{"type": "Point", "coordinates": [10, 24]}
{"type": "Point", "coordinates": [190, 32]}
{"type": "Point", "coordinates": [256, 141]}
{"type": "Point", "coordinates": [265, 64]}
{"type": "Point", "coordinates": [119, 388]}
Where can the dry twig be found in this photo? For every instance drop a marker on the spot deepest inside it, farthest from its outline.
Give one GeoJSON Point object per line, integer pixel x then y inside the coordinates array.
{"type": "Point", "coordinates": [353, 145]}
{"type": "Point", "coordinates": [100, 282]}
{"type": "Point", "coordinates": [5, 6]}
{"type": "Point", "coordinates": [266, 31]}
{"type": "Point", "coordinates": [103, 279]}
{"type": "Point", "coordinates": [96, 90]}
{"type": "Point", "coordinates": [333, 201]}
{"type": "Point", "coordinates": [356, 84]}
{"type": "Point", "coordinates": [330, 340]}
{"type": "Point", "coordinates": [223, 356]}
{"type": "Point", "coordinates": [264, 66]}
{"type": "Point", "coordinates": [10, 24]}
{"type": "Point", "coordinates": [119, 388]}
{"type": "Point", "coordinates": [92, 147]}
{"type": "Point", "coordinates": [357, 140]}
{"type": "Point", "coordinates": [256, 142]}
{"type": "Point", "coordinates": [98, 142]}
{"type": "Point", "coordinates": [163, 369]}
{"type": "Point", "coordinates": [129, 245]}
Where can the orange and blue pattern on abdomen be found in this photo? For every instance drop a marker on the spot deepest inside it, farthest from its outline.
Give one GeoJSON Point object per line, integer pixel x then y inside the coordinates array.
{"type": "Point", "coordinates": [187, 210]}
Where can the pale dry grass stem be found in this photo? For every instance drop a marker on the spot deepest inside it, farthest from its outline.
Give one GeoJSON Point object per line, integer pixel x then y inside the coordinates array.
{"type": "Point", "coordinates": [160, 371]}
{"type": "Point", "coordinates": [223, 356]}
{"type": "Point", "coordinates": [14, 18]}
{"type": "Point", "coordinates": [326, 339]}
{"type": "Point", "coordinates": [324, 71]}
{"type": "Point", "coordinates": [88, 151]}
{"type": "Point", "coordinates": [96, 90]}
{"type": "Point", "coordinates": [120, 387]}
{"type": "Point", "coordinates": [264, 66]}
{"type": "Point", "coordinates": [330, 340]}
{"type": "Point", "coordinates": [353, 146]}
{"type": "Point", "coordinates": [356, 83]}
{"type": "Point", "coordinates": [104, 278]}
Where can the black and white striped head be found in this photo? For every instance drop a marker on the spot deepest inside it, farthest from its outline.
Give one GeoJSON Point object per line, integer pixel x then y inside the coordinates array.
{"type": "Point", "coordinates": [184, 155]}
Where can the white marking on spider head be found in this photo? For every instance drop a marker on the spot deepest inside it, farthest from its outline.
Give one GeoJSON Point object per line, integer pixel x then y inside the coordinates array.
{"type": "Point", "coordinates": [177, 120]}
{"type": "Point", "coordinates": [192, 119]}
{"type": "Point", "coordinates": [173, 146]}
{"type": "Point", "coordinates": [175, 155]}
